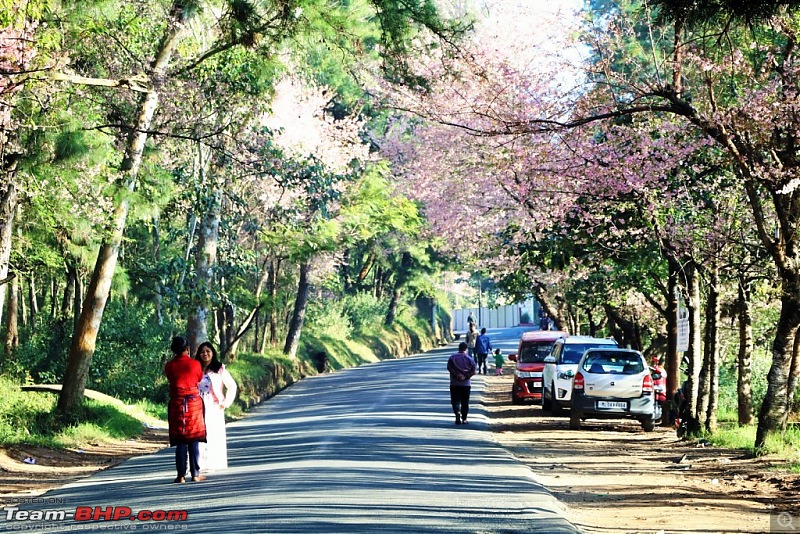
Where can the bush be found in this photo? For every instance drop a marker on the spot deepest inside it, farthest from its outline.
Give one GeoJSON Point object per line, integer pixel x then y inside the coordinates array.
{"type": "Point", "coordinates": [365, 311]}
{"type": "Point", "coordinates": [327, 317]}
{"type": "Point", "coordinates": [128, 362]}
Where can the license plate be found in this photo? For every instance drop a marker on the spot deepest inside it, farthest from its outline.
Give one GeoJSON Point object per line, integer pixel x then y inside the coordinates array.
{"type": "Point", "coordinates": [537, 384]}
{"type": "Point", "coordinates": [611, 405]}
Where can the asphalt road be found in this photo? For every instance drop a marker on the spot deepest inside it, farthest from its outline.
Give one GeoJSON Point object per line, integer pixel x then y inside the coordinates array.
{"type": "Point", "coordinates": [367, 449]}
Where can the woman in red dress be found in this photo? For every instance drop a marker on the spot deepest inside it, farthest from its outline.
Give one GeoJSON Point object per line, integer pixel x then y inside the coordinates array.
{"type": "Point", "coordinates": [187, 426]}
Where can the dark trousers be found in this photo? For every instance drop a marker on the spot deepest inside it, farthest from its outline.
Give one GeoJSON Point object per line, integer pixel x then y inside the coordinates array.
{"type": "Point", "coordinates": [459, 398]}
{"type": "Point", "coordinates": [193, 451]}
{"type": "Point", "coordinates": [482, 362]}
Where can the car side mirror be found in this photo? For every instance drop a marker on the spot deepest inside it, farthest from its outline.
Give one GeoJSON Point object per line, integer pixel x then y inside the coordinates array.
{"type": "Point", "coordinates": [566, 374]}
{"type": "Point", "coordinates": [656, 376]}
{"type": "Point", "coordinates": [550, 359]}
{"type": "Point", "coordinates": [512, 357]}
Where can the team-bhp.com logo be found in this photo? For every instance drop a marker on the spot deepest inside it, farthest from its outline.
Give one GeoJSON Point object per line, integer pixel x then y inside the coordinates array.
{"type": "Point", "coordinates": [94, 513]}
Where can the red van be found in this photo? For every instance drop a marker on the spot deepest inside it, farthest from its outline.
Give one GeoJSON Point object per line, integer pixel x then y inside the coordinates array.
{"type": "Point", "coordinates": [534, 347]}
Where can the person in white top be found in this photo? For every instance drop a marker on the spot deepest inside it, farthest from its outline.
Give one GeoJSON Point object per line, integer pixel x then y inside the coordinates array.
{"type": "Point", "coordinates": [214, 453]}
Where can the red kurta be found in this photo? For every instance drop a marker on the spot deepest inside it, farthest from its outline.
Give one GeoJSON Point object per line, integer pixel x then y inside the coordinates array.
{"type": "Point", "coordinates": [185, 410]}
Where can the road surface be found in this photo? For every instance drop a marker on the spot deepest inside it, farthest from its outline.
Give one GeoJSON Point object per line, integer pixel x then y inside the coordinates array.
{"type": "Point", "coordinates": [367, 449]}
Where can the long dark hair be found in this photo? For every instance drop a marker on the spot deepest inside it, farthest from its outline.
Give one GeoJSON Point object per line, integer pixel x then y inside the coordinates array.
{"type": "Point", "coordinates": [214, 365]}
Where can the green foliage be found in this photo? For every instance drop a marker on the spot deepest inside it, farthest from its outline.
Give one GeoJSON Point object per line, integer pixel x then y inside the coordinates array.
{"type": "Point", "coordinates": [364, 311]}
{"type": "Point", "coordinates": [327, 317]}
{"type": "Point", "coordinates": [723, 11]}
{"type": "Point", "coordinates": [345, 316]}
{"type": "Point", "coordinates": [28, 417]}
{"type": "Point", "coordinates": [131, 353]}
{"type": "Point", "coordinates": [128, 362]}
{"type": "Point", "coordinates": [786, 446]}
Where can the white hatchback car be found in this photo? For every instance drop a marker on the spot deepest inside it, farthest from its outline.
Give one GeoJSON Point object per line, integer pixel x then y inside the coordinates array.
{"type": "Point", "coordinates": [613, 383]}
{"type": "Point", "coordinates": [560, 367]}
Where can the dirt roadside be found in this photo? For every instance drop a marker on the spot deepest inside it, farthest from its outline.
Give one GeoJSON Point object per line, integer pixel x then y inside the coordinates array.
{"type": "Point", "coordinates": [614, 477]}
{"type": "Point", "coordinates": [611, 476]}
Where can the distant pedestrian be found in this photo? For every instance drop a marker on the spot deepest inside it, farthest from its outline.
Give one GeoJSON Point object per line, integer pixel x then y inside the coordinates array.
{"type": "Point", "coordinates": [499, 360]}
{"type": "Point", "coordinates": [471, 337]}
{"type": "Point", "coordinates": [471, 319]}
{"type": "Point", "coordinates": [187, 426]}
{"type": "Point", "coordinates": [545, 323]}
{"type": "Point", "coordinates": [461, 368]}
{"type": "Point", "coordinates": [483, 346]}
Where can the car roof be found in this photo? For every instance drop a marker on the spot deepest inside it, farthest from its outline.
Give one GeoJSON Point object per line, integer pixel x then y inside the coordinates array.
{"type": "Point", "coordinates": [614, 349]}
{"type": "Point", "coordinates": [589, 339]}
{"type": "Point", "coordinates": [611, 349]}
{"type": "Point", "coordinates": [543, 335]}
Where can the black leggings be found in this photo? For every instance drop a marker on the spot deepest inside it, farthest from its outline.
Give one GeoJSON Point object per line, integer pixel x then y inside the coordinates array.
{"type": "Point", "coordinates": [192, 450]}
{"type": "Point", "coordinates": [459, 398]}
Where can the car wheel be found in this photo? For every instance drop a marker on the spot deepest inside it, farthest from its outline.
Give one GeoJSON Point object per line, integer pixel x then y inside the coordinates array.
{"type": "Point", "coordinates": [648, 424]}
{"type": "Point", "coordinates": [546, 403]}
{"type": "Point", "coordinates": [555, 407]}
{"type": "Point", "coordinates": [575, 420]}
{"type": "Point", "coordinates": [515, 399]}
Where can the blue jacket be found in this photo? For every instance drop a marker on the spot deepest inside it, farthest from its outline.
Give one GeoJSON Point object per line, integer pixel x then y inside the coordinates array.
{"type": "Point", "coordinates": [483, 345]}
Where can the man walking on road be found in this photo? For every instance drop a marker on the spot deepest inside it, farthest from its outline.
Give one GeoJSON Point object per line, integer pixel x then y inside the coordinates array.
{"type": "Point", "coordinates": [483, 346]}
{"type": "Point", "coordinates": [461, 368]}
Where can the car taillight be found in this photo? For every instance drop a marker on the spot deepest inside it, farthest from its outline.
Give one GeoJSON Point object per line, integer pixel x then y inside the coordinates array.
{"type": "Point", "coordinates": [647, 384]}
{"type": "Point", "coordinates": [578, 383]}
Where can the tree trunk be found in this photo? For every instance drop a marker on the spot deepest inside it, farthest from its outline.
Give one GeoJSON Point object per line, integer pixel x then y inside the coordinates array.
{"type": "Point", "coordinates": [33, 302]}
{"type": "Point", "coordinates": [391, 313]}
{"type": "Point", "coordinates": [12, 319]}
{"type": "Point", "coordinates": [540, 293]}
{"type": "Point", "coordinates": [53, 292]}
{"type": "Point", "coordinates": [273, 299]}
{"type": "Point", "coordinates": [249, 322]}
{"type": "Point", "coordinates": [673, 360]}
{"type": "Point", "coordinates": [8, 207]}
{"type": "Point", "coordinates": [299, 314]}
{"type": "Point", "coordinates": [83, 343]}
{"type": "Point", "coordinates": [23, 305]}
{"type": "Point", "coordinates": [157, 259]}
{"type": "Point", "coordinates": [69, 291]}
{"type": "Point", "coordinates": [365, 268]}
{"type": "Point", "coordinates": [76, 301]}
{"type": "Point", "coordinates": [744, 391]}
{"type": "Point", "coordinates": [205, 260]}
{"type": "Point", "coordinates": [695, 346]}
{"type": "Point", "coordinates": [772, 416]}
{"type": "Point", "coordinates": [628, 334]}
{"type": "Point", "coordinates": [794, 374]}
{"type": "Point", "coordinates": [403, 274]}
{"type": "Point", "coordinates": [713, 319]}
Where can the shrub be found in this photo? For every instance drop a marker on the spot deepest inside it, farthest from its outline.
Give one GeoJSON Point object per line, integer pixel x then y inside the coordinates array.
{"type": "Point", "coordinates": [365, 311]}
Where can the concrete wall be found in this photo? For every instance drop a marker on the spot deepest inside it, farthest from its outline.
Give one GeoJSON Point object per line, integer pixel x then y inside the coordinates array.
{"type": "Point", "coordinates": [502, 317]}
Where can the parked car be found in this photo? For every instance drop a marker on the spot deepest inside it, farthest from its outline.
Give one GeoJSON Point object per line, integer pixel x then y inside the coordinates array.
{"type": "Point", "coordinates": [560, 367]}
{"type": "Point", "coordinates": [534, 347]}
{"type": "Point", "coordinates": [612, 384]}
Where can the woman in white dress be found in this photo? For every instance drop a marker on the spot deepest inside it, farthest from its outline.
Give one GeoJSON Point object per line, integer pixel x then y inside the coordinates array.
{"type": "Point", "coordinates": [214, 453]}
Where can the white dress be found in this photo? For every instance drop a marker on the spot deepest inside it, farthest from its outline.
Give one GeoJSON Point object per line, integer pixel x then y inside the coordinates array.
{"type": "Point", "coordinates": [214, 453]}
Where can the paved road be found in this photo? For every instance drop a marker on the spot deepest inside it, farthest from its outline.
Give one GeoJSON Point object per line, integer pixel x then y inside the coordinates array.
{"type": "Point", "coordinates": [368, 449]}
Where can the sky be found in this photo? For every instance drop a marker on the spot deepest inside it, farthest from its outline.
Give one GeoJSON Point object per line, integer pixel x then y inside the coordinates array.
{"type": "Point", "coordinates": [532, 28]}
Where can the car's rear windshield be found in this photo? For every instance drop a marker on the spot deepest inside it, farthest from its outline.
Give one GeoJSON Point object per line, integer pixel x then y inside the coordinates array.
{"type": "Point", "coordinates": [620, 363]}
{"type": "Point", "coordinates": [573, 353]}
{"type": "Point", "coordinates": [534, 351]}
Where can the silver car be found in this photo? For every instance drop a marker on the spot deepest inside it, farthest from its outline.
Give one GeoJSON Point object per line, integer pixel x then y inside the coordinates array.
{"type": "Point", "coordinates": [613, 383]}
{"type": "Point", "coordinates": [560, 367]}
